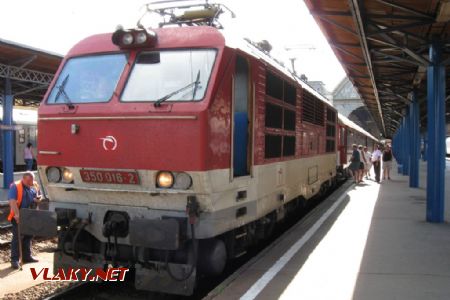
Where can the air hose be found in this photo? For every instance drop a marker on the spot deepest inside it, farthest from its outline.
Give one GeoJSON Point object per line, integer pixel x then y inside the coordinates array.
{"type": "Point", "coordinates": [72, 224]}
{"type": "Point", "coordinates": [194, 263]}
{"type": "Point", "coordinates": [75, 239]}
{"type": "Point", "coordinates": [193, 211]}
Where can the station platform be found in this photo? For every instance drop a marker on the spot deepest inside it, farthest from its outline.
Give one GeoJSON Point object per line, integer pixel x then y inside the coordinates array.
{"type": "Point", "coordinates": [366, 241]}
{"type": "Point", "coordinates": [13, 281]}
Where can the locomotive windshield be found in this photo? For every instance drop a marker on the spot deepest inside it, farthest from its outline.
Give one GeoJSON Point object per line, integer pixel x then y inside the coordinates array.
{"type": "Point", "coordinates": [88, 79]}
{"type": "Point", "coordinates": [178, 75]}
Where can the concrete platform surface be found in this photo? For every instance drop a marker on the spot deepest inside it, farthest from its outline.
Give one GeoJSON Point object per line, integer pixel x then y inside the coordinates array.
{"type": "Point", "coordinates": [373, 243]}
{"type": "Point", "coordinates": [12, 281]}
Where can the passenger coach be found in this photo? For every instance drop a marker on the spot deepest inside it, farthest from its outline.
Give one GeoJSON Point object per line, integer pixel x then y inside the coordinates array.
{"type": "Point", "coordinates": [350, 133]}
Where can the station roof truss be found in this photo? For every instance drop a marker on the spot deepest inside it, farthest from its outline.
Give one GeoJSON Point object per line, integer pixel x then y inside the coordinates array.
{"type": "Point", "coordinates": [383, 46]}
{"type": "Point", "coordinates": [30, 70]}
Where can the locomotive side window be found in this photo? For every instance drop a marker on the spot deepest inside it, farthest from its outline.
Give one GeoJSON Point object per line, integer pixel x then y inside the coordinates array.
{"type": "Point", "coordinates": [290, 93]}
{"type": "Point", "coordinates": [178, 75]}
{"type": "Point", "coordinates": [274, 86]}
{"type": "Point", "coordinates": [274, 116]}
{"type": "Point", "coordinates": [289, 120]}
{"type": "Point", "coordinates": [88, 79]}
{"type": "Point", "coordinates": [288, 145]}
{"type": "Point", "coordinates": [280, 117]}
{"type": "Point", "coordinates": [273, 146]}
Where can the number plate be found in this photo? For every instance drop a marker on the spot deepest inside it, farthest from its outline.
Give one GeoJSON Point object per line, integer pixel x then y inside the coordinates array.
{"type": "Point", "coordinates": [112, 177]}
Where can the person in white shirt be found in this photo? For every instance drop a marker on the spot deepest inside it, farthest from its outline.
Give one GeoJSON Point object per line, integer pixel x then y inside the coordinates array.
{"type": "Point", "coordinates": [376, 161]}
{"type": "Point", "coordinates": [368, 164]}
{"type": "Point", "coordinates": [28, 156]}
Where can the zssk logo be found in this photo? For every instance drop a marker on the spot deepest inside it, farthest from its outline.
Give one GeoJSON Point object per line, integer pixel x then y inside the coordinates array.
{"type": "Point", "coordinates": [109, 143]}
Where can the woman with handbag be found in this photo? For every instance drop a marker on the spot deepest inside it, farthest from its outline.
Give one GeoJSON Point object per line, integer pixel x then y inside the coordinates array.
{"type": "Point", "coordinates": [355, 165]}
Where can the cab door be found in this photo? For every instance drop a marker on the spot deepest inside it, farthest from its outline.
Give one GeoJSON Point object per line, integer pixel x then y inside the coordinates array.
{"type": "Point", "coordinates": [241, 118]}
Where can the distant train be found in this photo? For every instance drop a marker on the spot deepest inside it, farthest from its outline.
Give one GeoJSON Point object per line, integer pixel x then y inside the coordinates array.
{"type": "Point", "coordinates": [25, 129]}
{"type": "Point", "coordinates": [350, 133]}
{"type": "Point", "coordinates": [173, 150]}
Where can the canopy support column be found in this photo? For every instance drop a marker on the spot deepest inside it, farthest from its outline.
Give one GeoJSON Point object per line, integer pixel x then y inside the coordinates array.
{"type": "Point", "coordinates": [8, 135]}
{"type": "Point", "coordinates": [414, 141]}
{"type": "Point", "coordinates": [436, 135]}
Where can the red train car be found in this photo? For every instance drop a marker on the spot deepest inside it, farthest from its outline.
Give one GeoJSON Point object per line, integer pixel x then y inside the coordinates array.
{"type": "Point", "coordinates": [350, 133]}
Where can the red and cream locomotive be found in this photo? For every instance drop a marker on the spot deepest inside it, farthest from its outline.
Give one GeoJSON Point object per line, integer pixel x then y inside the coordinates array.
{"type": "Point", "coordinates": [172, 150]}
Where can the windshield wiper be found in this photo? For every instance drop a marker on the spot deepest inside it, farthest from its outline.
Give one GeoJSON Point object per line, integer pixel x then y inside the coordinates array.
{"type": "Point", "coordinates": [195, 83]}
{"type": "Point", "coordinates": [62, 91]}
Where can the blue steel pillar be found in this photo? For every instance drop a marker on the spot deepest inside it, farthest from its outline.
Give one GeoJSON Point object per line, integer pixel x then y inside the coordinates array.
{"type": "Point", "coordinates": [400, 147]}
{"type": "Point", "coordinates": [414, 141]}
{"type": "Point", "coordinates": [405, 144]}
{"type": "Point", "coordinates": [394, 145]}
{"type": "Point", "coordinates": [8, 135]}
{"type": "Point", "coordinates": [399, 142]}
{"type": "Point", "coordinates": [425, 147]}
{"type": "Point", "coordinates": [436, 135]}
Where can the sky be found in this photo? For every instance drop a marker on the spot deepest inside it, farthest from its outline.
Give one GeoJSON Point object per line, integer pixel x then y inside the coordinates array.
{"type": "Point", "coordinates": [56, 25]}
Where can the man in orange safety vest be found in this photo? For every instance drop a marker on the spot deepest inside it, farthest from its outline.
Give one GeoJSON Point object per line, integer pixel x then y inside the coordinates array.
{"type": "Point", "coordinates": [22, 194]}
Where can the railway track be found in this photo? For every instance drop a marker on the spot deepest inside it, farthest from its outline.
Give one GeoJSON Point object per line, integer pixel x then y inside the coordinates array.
{"type": "Point", "coordinates": [5, 239]}
{"type": "Point", "coordinates": [5, 226]}
{"type": "Point", "coordinates": [73, 290]}
{"type": "Point", "coordinates": [104, 291]}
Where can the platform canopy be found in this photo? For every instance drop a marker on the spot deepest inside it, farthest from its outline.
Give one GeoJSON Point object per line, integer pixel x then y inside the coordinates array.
{"type": "Point", "coordinates": [29, 69]}
{"type": "Point", "coordinates": [383, 46]}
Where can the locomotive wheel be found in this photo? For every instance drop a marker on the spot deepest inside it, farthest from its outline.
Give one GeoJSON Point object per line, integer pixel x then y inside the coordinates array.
{"type": "Point", "coordinates": [213, 257]}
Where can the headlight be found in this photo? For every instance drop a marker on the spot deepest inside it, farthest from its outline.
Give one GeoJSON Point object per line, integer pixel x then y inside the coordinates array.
{"type": "Point", "coordinates": [67, 176]}
{"type": "Point", "coordinates": [137, 37]}
{"type": "Point", "coordinates": [54, 174]}
{"type": "Point", "coordinates": [164, 179]}
{"type": "Point", "coordinates": [182, 181]}
{"type": "Point", "coordinates": [141, 37]}
{"type": "Point", "coordinates": [127, 39]}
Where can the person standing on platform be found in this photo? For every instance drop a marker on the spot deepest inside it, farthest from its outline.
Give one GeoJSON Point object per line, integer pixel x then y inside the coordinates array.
{"type": "Point", "coordinates": [362, 163]}
{"type": "Point", "coordinates": [387, 162]}
{"type": "Point", "coordinates": [22, 194]}
{"type": "Point", "coordinates": [376, 161]}
{"type": "Point", "coordinates": [355, 163]}
{"type": "Point", "coordinates": [28, 156]}
{"type": "Point", "coordinates": [368, 165]}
